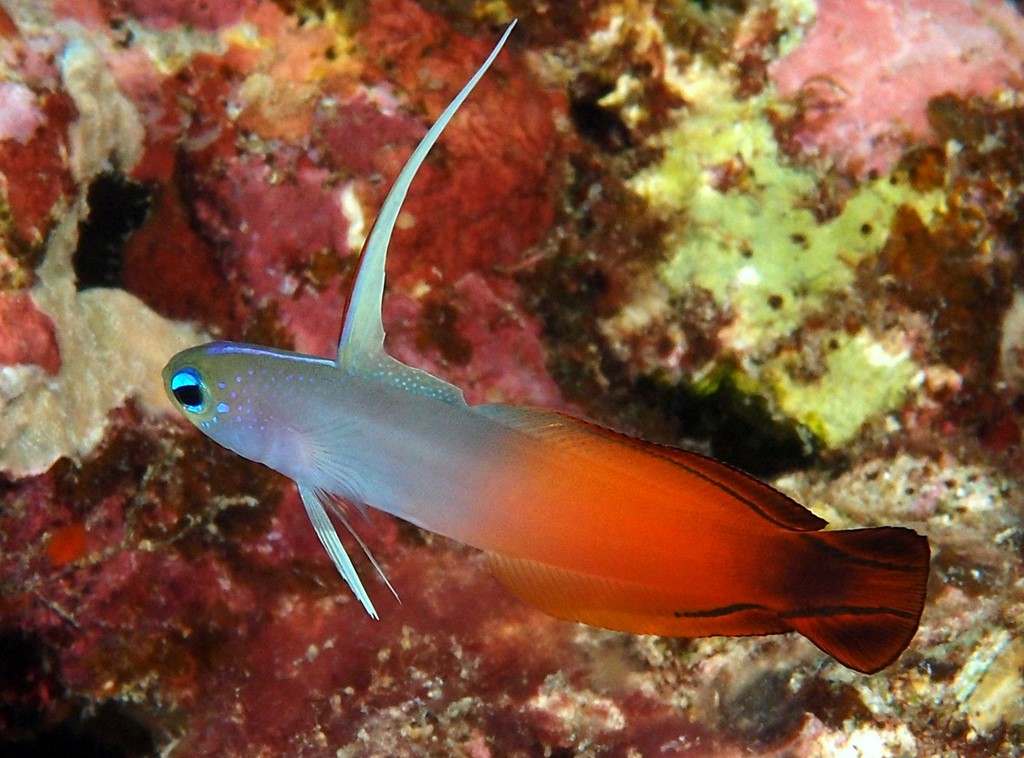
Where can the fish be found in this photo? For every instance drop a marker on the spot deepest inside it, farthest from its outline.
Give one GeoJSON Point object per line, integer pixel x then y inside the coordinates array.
{"type": "Point", "coordinates": [581, 521]}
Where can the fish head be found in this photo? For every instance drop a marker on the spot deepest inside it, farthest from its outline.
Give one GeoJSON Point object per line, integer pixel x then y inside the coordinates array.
{"type": "Point", "coordinates": [233, 394]}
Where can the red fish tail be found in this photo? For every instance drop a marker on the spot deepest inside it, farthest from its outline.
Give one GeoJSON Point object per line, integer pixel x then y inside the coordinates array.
{"type": "Point", "coordinates": [862, 593]}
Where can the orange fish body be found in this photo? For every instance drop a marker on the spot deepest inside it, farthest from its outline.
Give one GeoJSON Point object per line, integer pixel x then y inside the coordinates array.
{"type": "Point", "coordinates": [624, 534]}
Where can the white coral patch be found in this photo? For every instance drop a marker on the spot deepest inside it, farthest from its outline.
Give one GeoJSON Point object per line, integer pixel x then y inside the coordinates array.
{"type": "Point", "coordinates": [112, 346]}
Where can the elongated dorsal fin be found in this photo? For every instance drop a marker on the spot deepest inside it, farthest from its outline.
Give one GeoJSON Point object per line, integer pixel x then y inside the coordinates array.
{"type": "Point", "coordinates": [362, 332]}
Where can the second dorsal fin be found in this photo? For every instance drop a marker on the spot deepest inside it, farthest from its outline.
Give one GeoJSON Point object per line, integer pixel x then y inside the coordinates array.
{"type": "Point", "coordinates": [766, 501]}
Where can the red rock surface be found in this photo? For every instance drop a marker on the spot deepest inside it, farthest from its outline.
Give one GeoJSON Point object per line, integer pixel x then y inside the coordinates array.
{"type": "Point", "coordinates": [867, 70]}
{"type": "Point", "coordinates": [33, 158]}
{"type": "Point", "coordinates": [117, 582]}
{"type": "Point", "coordinates": [27, 335]}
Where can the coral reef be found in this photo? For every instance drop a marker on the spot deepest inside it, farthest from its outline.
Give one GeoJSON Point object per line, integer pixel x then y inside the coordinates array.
{"type": "Point", "coordinates": [741, 226]}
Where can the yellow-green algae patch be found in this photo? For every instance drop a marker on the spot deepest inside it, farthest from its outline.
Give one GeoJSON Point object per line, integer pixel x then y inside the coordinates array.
{"type": "Point", "coordinates": [755, 243]}
{"type": "Point", "coordinates": [862, 379]}
{"type": "Point", "coordinates": [744, 230]}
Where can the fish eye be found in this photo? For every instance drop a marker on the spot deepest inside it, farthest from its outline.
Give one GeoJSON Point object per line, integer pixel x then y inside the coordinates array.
{"type": "Point", "coordinates": [187, 388]}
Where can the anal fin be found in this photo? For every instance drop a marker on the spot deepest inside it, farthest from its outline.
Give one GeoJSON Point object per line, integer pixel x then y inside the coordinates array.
{"type": "Point", "coordinates": [864, 614]}
{"type": "Point", "coordinates": [624, 606]}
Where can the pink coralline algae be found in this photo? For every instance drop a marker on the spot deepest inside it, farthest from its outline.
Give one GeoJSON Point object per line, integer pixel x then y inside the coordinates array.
{"type": "Point", "coordinates": [281, 217]}
{"type": "Point", "coordinates": [274, 230]}
{"type": "Point", "coordinates": [33, 158]}
{"type": "Point", "coordinates": [161, 14]}
{"type": "Point", "coordinates": [27, 335]}
{"type": "Point", "coordinates": [495, 164]}
{"type": "Point", "coordinates": [866, 70]}
{"type": "Point", "coordinates": [20, 116]}
{"type": "Point", "coordinates": [258, 198]}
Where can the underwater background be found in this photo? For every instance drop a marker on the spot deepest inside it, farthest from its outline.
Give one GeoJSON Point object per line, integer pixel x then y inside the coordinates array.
{"type": "Point", "coordinates": [784, 233]}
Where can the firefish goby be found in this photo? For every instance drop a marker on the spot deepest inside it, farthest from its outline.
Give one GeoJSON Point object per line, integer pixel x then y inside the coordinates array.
{"type": "Point", "coordinates": [583, 522]}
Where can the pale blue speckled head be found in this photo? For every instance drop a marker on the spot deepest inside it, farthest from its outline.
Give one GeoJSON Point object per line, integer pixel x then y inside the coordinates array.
{"type": "Point", "coordinates": [231, 391]}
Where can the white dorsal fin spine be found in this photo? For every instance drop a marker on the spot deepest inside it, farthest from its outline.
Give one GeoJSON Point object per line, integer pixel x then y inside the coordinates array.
{"type": "Point", "coordinates": [362, 333]}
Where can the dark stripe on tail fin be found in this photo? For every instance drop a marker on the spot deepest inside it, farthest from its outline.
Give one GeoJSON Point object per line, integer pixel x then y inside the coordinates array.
{"type": "Point", "coordinates": [863, 641]}
{"type": "Point", "coordinates": [884, 595]}
{"type": "Point", "coordinates": [888, 547]}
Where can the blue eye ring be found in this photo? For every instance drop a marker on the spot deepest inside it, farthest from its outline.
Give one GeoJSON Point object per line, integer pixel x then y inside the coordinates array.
{"type": "Point", "coordinates": [187, 388]}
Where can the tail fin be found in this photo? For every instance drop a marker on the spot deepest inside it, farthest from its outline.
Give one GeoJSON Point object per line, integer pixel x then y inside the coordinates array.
{"type": "Point", "coordinates": [884, 576]}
